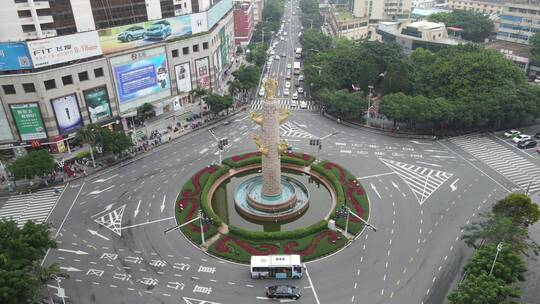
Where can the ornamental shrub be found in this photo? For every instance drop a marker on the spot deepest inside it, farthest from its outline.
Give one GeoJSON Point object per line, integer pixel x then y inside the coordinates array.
{"type": "Point", "coordinates": [280, 235]}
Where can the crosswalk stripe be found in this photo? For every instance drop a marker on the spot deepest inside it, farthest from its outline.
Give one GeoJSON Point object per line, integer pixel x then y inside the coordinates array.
{"type": "Point", "coordinates": [287, 103]}
{"type": "Point", "coordinates": [32, 206]}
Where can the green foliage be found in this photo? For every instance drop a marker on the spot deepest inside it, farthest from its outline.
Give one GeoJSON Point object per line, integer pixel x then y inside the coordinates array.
{"type": "Point", "coordinates": [112, 142]}
{"type": "Point", "coordinates": [346, 104]}
{"type": "Point", "coordinates": [242, 163]}
{"type": "Point", "coordinates": [297, 159]}
{"type": "Point", "coordinates": [145, 110]}
{"type": "Point", "coordinates": [311, 17]}
{"type": "Point", "coordinates": [482, 289]}
{"type": "Point", "coordinates": [534, 49]}
{"type": "Point", "coordinates": [81, 155]}
{"type": "Point", "coordinates": [21, 252]}
{"type": "Point", "coordinates": [245, 78]}
{"type": "Point", "coordinates": [318, 168]}
{"type": "Point", "coordinates": [396, 78]}
{"type": "Point", "coordinates": [417, 109]}
{"type": "Point", "coordinates": [218, 103]}
{"type": "Point", "coordinates": [509, 266]}
{"type": "Point", "coordinates": [313, 41]}
{"type": "Point", "coordinates": [476, 26]}
{"type": "Point", "coordinates": [35, 163]}
{"type": "Point", "coordinates": [278, 235]}
{"type": "Point", "coordinates": [519, 208]}
{"type": "Point", "coordinates": [257, 53]}
{"type": "Point", "coordinates": [205, 204]}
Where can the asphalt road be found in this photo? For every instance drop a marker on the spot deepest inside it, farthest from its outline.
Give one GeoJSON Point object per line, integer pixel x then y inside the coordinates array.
{"type": "Point", "coordinates": [110, 228]}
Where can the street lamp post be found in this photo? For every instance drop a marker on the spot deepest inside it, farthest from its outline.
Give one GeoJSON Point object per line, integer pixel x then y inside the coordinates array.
{"type": "Point", "coordinates": [368, 105]}
{"type": "Point", "coordinates": [499, 249]}
{"type": "Point", "coordinates": [344, 212]}
{"type": "Point", "coordinates": [318, 142]}
{"type": "Point", "coordinates": [203, 221]}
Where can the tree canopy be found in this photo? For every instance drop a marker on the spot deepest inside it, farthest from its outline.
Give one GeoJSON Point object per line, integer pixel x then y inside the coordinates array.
{"type": "Point", "coordinates": [21, 252]}
{"type": "Point", "coordinates": [519, 208]}
{"type": "Point", "coordinates": [482, 289]}
{"type": "Point", "coordinates": [218, 103]}
{"type": "Point", "coordinates": [35, 163]}
{"type": "Point", "coordinates": [534, 49]}
{"type": "Point", "coordinates": [476, 26]}
{"type": "Point", "coordinates": [509, 266]}
{"type": "Point", "coordinates": [311, 17]}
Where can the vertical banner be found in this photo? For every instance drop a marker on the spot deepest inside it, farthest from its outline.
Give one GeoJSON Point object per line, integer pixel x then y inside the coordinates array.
{"type": "Point", "coordinates": [27, 117]}
{"type": "Point", "coordinates": [223, 46]}
{"type": "Point", "coordinates": [97, 103]}
{"type": "Point", "coordinates": [5, 131]}
{"type": "Point", "coordinates": [183, 77]}
{"type": "Point", "coordinates": [203, 72]}
{"type": "Point", "coordinates": [66, 111]}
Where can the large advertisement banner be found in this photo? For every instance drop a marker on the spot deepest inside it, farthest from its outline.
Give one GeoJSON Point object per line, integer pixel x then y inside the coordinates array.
{"type": "Point", "coordinates": [98, 104]}
{"type": "Point", "coordinates": [203, 72]}
{"type": "Point", "coordinates": [144, 33]}
{"type": "Point", "coordinates": [223, 47]}
{"type": "Point", "coordinates": [27, 117]}
{"type": "Point", "coordinates": [56, 50]}
{"type": "Point", "coordinates": [68, 116]}
{"type": "Point", "coordinates": [5, 131]}
{"type": "Point", "coordinates": [183, 77]}
{"type": "Point", "coordinates": [141, 74]}
{"type": "Point", "coordinates": [218, 11]}
{"type": "Point", "coordinates": [14, 56]}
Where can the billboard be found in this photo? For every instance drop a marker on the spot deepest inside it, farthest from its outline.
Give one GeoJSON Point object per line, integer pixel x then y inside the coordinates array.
{"type": "Point", "coordinates": [98, 104]}
{"type": "Point", "coordinates": [218, 11]}
{"type": "Point", "coordinates": [183, 77]}
{"type": "Point", "coordinates": [223, 47]}
{"type": "Point", "coordinates": [27, 117]}
{"type": "Point", "coordinates": [141, 74]}
{"type": "Point", "coordinates": [199, 23]}
{"type": "Point", "coordinates": [203, 72]}
{"type": "Point", "coordinates": [144, 33]}
{"type": "Point", "coordinates": [68, 116]}
{"type": "Point", "coordinates": [56, 50]}
{"type": "Point", "coordinates": [14, 56]}
{"type": "Point", "coordinates": [5, 131]}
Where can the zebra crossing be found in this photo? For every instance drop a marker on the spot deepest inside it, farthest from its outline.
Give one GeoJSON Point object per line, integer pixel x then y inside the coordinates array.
{"type": "Point", "coordinates": [422, 181]}
{"type": "Point", "coordinates": [290, 129]}
{"type": "Point", "coordinates": [31, 206]}
{"type": "Point", "coordinates": [287, 103]}
{"type": "Point", "coordinates": [519, 170]}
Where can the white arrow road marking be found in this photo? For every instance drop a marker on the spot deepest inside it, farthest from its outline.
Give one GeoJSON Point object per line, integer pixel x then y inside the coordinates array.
{"type": "Point", "coordinates": [72, 251]}
{"type": "Point", "coordinates": [94, 232]}
{"type": "Point", "coordinates": [107, 208]}
{"type": "Point", "coordinates": [453, 185]}
{"type": "Point", "coordinates": [70, 268]}
{"type": "Point", "coordinates": [137, 209]}
{"type": "Point", "coordinates": [375, 189]}
{"type": "Point", "coordinates": [99, 191]}
{"type": "Point", "coordinates": [420, 143]}
{"type": "Point", "coordinates": [163, 203]}
{"type": "Point", "coordinates": [395, 186]}
{"type": "Point", "coordinates": [101, 180]}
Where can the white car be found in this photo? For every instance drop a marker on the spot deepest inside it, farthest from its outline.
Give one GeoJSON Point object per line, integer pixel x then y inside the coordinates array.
{"type": "Point", "coordinates": [272, 52]}
{"type": "Point", "coordinates": [293, 103]}
{"type": "Point", "coordinates": [285, 92]}
{"type": "Point", "coordinates": [284, 33]}
{"type": "Point", "coordinates": [284, 55]}
{"type": "Point", "coordinates": [277, 57]}
{"type": "Point", "coordinates": [300, 77]}
{"type": "Point", "coordinates": [261, 92]}
{"type": "Point", "coordinates": [295, 96]}
{"type": "Point", "coordinates": [511, 133]}
{"type": "Point", "coordinates": [301, 90]}
{"type": "Point", "coordinates": [289, 66]}
{"type": "Point", "coordinates": [521, 137]}
{"type": "Point", "coordinates": [287, 84]}
{"type": "Point", "coordinates": [303, 104]}
{"type": "Point", "coordinates": [281, 38]}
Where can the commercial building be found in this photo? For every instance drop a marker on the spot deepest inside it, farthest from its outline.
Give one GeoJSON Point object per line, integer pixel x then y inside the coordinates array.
{"type": "Point", "coordinates": [424, 4]}
{"type": "Point", "coordinates": [51, 87]}
{"type": "Point", "coordinates": [481, 6]}
{"type": "Point", "coordinates": [244, 22]}
{"type": "Point", "coordinates": [519, 20]}
{"type": "Point", "coordinates": [342, 23]}
{"type": "Point", "coordinates": [382, 9]}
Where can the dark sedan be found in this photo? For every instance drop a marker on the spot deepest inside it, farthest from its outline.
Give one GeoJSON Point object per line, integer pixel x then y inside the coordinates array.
{"type": "Point", "coordinates": [527, 144]}
{"type": "Point", "coordinates": [283, 292]}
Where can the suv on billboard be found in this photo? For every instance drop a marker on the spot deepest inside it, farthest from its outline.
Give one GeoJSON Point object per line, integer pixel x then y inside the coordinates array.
{"type": "Point", "coordinates": [159, 30]}
{"type": "Point", "coordinates": [133, 33]}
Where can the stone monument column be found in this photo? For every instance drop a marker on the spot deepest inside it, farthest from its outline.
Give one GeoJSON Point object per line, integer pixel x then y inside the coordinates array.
{"type": "Point", "coordinates": [271, 166]}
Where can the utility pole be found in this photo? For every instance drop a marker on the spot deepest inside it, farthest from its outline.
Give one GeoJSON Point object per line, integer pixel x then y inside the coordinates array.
{"type": "Point", "coordinates": [499, 249]}
{"type": "Point", "coordinates": [368, 105]}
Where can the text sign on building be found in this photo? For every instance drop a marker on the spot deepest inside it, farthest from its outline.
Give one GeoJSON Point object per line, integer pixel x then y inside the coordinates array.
{"type": "Point", "coordinates": [28, 120]}
{"type": "Point", "coordinates": [14, 56]}
{"type": "Point", "coordinates": [62, 49]}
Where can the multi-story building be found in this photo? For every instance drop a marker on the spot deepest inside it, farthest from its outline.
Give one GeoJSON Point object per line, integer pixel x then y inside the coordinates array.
{"type": "Point", "coordinates": [382, 9]}
{"type": "Point", "coordinates": [244, 23]}
{"type": "Point", "coordinates": [424, 4]}
{"type": "Point", "coordinates": [519, 20]}
{"type": "Point", "coordinates": [51, 87]}
{"type": "Point", "coordinates": [342, 23]}
{"type": "Point", "coordinates": [258, 6]}
{"type": "Point", "coordinates": [480, 6]}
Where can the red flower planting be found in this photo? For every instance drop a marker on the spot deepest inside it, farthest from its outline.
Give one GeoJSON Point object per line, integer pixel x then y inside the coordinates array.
{"type": "Point", "coordinates": [190, 199]}
{"type": "Point", "coordinates": [238, 158]}
{"type": "Point", "coordinates": [350, 188]}
{"type": "Point", "coordinates": [196, 181]}
{"type": "Point", "coordinates": [263, 249]}
{"type": "Point", "coordinates": [289, 247]}
{"type": "Point", "coordinates": [302, 156]}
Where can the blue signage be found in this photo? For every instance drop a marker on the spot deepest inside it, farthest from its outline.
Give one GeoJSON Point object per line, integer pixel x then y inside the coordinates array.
{"type": "Point", "coordinates": [218, 11]}
{"type": "Point", "coordinates": [14, 56]}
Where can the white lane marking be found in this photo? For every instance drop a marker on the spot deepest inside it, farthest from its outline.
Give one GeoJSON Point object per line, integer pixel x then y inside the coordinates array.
{"type": "Point", "coordinates": [163, 203]}
{"type": "Point", "coordinates": [311, 284]}
{"type": "Point", "coordinates": [429, 164]}
{"type": "Point", "coordinates": [453, 185]}
{"type": "Point", "coordinates": [137, 209]}
{"type": "Point", "coordinates": [203, 151]}
{"type": "Point", "coordinates": [146, 223]}
{"type": "Point", "coordinates": [375, 189]}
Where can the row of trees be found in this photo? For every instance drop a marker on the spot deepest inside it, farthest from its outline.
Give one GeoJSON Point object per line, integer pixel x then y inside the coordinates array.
{"type": "Point", "coordinates": [534, 49]}
{"type": "Point", "coordinates": [489, 279]}
{"type": "Point", "coordinates": [476, 26]}
{"type": "Point", "coordinates": [21, 252]}
{"type": "Point", "coordinates": [311, 17]}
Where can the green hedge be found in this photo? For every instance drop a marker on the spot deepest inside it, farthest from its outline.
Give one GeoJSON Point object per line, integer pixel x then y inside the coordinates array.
{"type": "Point", "coordinates": [348, 175]}
{"type": "Point", "coordinates": [335, 183]}
{"type": "Point", "coordinates": [298, 160]}
{"type": "Point", "coordinates": [293, 234]}
{"type": "Point", "coordinates": [242, 163]}
{"type": "Point", "coordinates": [204, 195]}
{"type": "Point", "coordinates": [257, 159]}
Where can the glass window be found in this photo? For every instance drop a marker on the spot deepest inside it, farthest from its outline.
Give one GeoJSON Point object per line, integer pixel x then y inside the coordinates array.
{"type": "Point", "coordinates": [195, 48]}
{"type": "Point", "coordinates": [29, 87]}
{"type": "Point", "coordinates": [83, 76]}
{"type": "Point", "coordinates": [68, 79]}
{"type": "Point", "coordinates": [205, 45]}
{"type": "Point", "coordinates": [9, 89]}
{"type": "Point", "coordinates": [174, 53]}
{"type": "Point", "coordinates": [50, 84]}
{"type": "Point", "coordinates": [185, 50]}
{"type": "Point", "coordinates": [98, 72]}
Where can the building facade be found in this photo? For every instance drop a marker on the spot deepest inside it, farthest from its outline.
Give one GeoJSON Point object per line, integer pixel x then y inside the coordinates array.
{"type": "Point", "coordinates": [244, 23]}
{"type": "Point", "coordinates": [342, 23]}
{"type": "Point", "coordinates": [424, 4]}
{"type": "Point", "coordinates": [51, 87]}
{"type": "Point", "coordinates": [382, 9]}
{"type": "Point", "coordinates": [481, 6]}
{"type": "Point", "coordinates": [519, 20]}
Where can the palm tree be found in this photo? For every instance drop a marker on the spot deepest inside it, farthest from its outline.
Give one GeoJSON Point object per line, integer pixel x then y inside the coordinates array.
{"type": "Point", "coordinates": [87, 135]}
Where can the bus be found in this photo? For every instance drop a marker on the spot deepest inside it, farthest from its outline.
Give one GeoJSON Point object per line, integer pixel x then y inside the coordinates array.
{"type": "Point", "coordinates": [296, 67]}
{"type": "Point", "coordinates": [279, 266]}
{"type": "Point", "coordinates": [298, 53]}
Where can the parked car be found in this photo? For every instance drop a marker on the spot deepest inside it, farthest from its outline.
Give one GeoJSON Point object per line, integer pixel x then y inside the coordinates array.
{"type": "Point", "coordinates": [283, 292]}
{"type": "Point", "coordinates": [135, 32]}
{"type": "Point", "coordinates": [527, 144]}
{"type": "Point", "coordinates": [511, 133]}
{"type": "Point", "coordinates": [277, 57]}
{"type": "Point", "coordinates": [289, 66]}
{"type": "Point", "coordinates": [521, 137]}
{"type": "Point", "coordinates": [159, 30]}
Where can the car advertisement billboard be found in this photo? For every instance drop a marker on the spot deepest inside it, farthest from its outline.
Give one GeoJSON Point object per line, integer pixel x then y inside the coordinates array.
{"type": "Point", "coordinates": [203, 72]}
{"type": "Point", "coordinates": [62, 49]}
{"type": "Point", "coordinates": [14, 56]}
{"type": "Point", "coordinates": [5, 130]}
{"type": "Point", "coordinates": [98, 103]}
{"type": "Point", "coordinates": [66, 111]}
{"type": "Point", "coordinates": [141, 74]}
{"type": "Point", "coordinates": [144, 33]}
{"type": "Point", "coordinates": [218, 11]}
{"type": "Point", "coordinates": [183, 77]}
{"type": "Point", "coordinates": [27, 117]}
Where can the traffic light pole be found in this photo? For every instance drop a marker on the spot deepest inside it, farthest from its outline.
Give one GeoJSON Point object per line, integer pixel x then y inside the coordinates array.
{"type": "Point", "coordinates": [218, 142]}
{"type": "Point", "coordinates": [201, 225]}
{"type": "Point", "coordinates": [319, 143]}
